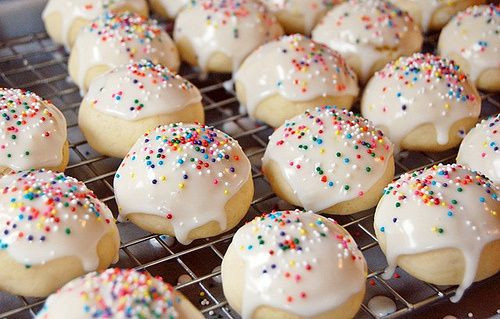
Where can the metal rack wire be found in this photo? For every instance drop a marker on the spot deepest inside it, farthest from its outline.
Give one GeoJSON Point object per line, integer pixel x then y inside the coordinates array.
{"type": "Point", "coordinates": [35, 63]}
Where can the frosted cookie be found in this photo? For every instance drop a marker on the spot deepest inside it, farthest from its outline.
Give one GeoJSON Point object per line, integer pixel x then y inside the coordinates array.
{"type": "Point", "coordinates": [293, 264]}
{"type": "Point", "coordinates": [166, 181]}
{"type": "Point", "coordinates": [432, 15]}
{"type": "Point", "coordinates": [329, 160]}
{"type": "Point", "coordinates": [299, 16]}
{"type": "Point", "coordinates": [168, 9]}
{"type": "Point", "coordinates": [441, 225]}
{"type": "Point", "coordinates": [52, 229]}
{"type": "Point", "coordinates": [422, 102]}
{"type": "Point", "coordinates": [480, 149]}
{"type": "Point", "coordinates": [368, 34]}
{"type": "Point", "coordinates": [472, 39]}
{"type": "Point", "coordinates": [129, 100]}
{"type": "Point", "coordinates": [115, 39]}
{"type": "Point", "coordinates": [217, 35]}
{"type": "Point", "coordinates": [285, 77]}
{"type": "Point", "coordinates": [63, 19]}
{"type": "Point", "coordinates": [33, 133]}
{"type": "Point", "coordinates": [119, 294]}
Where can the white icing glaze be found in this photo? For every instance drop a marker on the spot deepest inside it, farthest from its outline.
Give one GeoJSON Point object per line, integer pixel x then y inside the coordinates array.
{"type": "Point", "coordinates": [446, 206]}
{"type": "Point", "coordinates": [417, 90]}
{"type": "Point", "coordinates": [46, 215]}
{"type": "Point", "coordinates": [71, 10]}
{"type": "Point", "coordinates": [366, 29]}
{"type": "Point", "coordinates": [232, 27]}
{"type": "Point", "coordinates": [33, 131]}
{"type": "Point", "coordinates": [325, 155]}
{"type": "Point", "coordinates": [298, 69]}
{"type": "Point", "coordinates": [173, 7]}
{"type": "Point", "coordinates": [480, 149]}
{"type": "Point", "coordinates": [175, 170]}
{"type": "Point", "coordinates": [474, 34]}
{"type": "Point", "coordinates": [425, 7]}
{"type": "Point", "coordinates": [139, 90]}
{"type": "Point", "coordinates": [116, 39]}
{"type": "Point", "coordinates": [114, 293]}
{"type": "Point", "coordinates": [310, 10]}
{"type": "Point", "coordinates": [381, 306]}
{"type": "Point", "coordinates": [299, 262]}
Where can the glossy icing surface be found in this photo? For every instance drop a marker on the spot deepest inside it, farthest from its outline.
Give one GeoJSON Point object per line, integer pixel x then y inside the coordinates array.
{"type": "Point", "coordinates": [446, 206]}
{"type": "Point", "coordinates": [114, 293]}
{"type": "Point", "coordinates": [426, 8]}
{"type": "Point", "coordinates": [71, 10]}
{"type": "Point", "coordinates": [364, 28]}
{"type": "Point", "coordinates": [480, 149]}
{"type": "Point", "coordinates": [475, 35]}
{"type": "Point", "coordinates": [299, 262]}
{"type": "Point", "coordinates": [116, 39]}
{"type": "Point", "coordinates": [46, 215]}
{"type": "Point", "coordinates": [173, 7]}
{"type": "Point", "coordinates": [416, 90]}
{"type": "Point", "coordinates": [33, 131]}
{"type": "Point", "coordinates": [309, 10]}
{"type": "Point", "coordinates": [139, 90]}
{"type": "Point", "coordinates": [232, 27]}
{"type": "Point", "coordinates": [175, 170]}
{"type": "Point", "coordinates": [298, 69]}
{"type": "Point", "coordinates": [329, 156]}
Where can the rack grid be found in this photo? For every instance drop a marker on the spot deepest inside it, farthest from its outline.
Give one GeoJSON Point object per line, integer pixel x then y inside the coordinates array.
{"type": "Point", "coordinates": [34, 62]}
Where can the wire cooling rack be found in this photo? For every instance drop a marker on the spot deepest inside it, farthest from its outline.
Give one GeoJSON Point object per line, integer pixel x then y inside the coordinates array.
{"type": "Point", "coordinates": [35, 63]}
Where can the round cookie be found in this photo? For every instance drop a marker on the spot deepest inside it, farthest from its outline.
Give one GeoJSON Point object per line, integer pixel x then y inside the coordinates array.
{"type": "Point", "coordinates": [53, 229]}
{"type": "Point", "coordinates": [115, 39]}
{"type": "Point", "coordinates": [166, 180]}
{"type": "Point", "coordinates": [63, 19]}
{"type": "Point", "coordinates": [218, 35]}
{"type": "Point", "coordinates": [329, 160]}
{"type": "Point", "coordinates": [291, 265]}
{"type": "Point", "coordinates": [299, 16]}
{"type": "Point", "coordinates": [285, 77]}
{"type": "Point", "coordinates": [480, 149]}
{"type": "Point", "coordinates": [432, 15]}
{"type": "Point", "coordinates": [167, 9]}
{"type": "Point", "coordinates": [441, 225]}
{"type": "Point", "coordinates": [368, 34]}
{"type": "Point", "coordinates": [33, 133]}
{"type": "Point", "coordinates": [422, 102]}
{"type": "Point", "coordinates": [129, 100]}
{"type": "Point", "coordinates": [472, 39]}
{"type": "Point", "coordinates": [119, 294]}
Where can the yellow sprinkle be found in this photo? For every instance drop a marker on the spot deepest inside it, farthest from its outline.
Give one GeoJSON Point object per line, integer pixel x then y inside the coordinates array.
{"type": "Point", "coordinates": [446, 106]}
{"type": "Point", "coordinates": [226, 192]}
{"type": "Point", "coordinates": [181, 185]}
{"type": "Point", "coordinates": [163, 178]}
{"type": "Point", "coordinates": [321, 150]}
